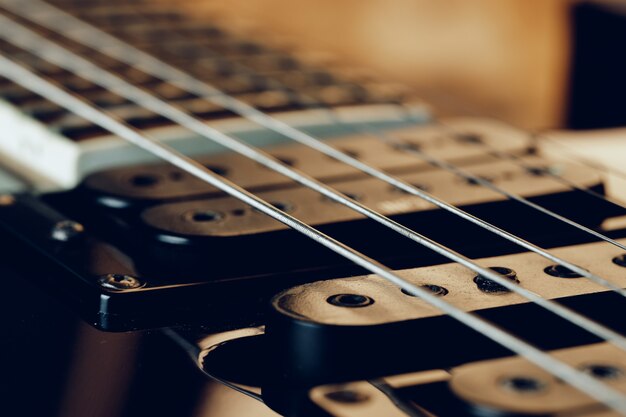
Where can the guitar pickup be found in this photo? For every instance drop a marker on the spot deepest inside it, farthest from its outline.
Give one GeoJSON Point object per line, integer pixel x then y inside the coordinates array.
{"type": "Point", "coordinates": [144, 184]}
{"type": "Point", "coordinates": [177, 236]}
{"type": "Point", "coordinates": [502, 387]}
{"type": "Point", "coordinates": [188, 244]}
{"type": "Point", "coordinates": [344, 323]}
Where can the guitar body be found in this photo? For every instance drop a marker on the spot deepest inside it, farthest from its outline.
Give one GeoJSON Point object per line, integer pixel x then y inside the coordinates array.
{"type": "Point", "coordinates": [135, 286]}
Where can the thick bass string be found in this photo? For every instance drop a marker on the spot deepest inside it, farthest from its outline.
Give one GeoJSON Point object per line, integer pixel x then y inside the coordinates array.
{"type": "Point", "coordinates": [64, 58]}
{"type": "Point", "coordinates": [149, 101]}
{"type": "Point", "coordinates": [598, 390]}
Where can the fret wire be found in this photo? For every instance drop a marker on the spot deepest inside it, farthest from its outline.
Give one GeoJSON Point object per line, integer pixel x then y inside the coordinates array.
{"type": "Point", "coordinates": [306, 139]}
{"type": "Point", "coordinates": [576, 378]}
{"type": "Point", "coordinates": [60, 56]}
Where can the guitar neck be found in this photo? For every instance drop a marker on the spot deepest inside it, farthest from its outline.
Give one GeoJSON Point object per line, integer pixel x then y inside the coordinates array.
{"type": "Point", "coordinates": [264, 77]}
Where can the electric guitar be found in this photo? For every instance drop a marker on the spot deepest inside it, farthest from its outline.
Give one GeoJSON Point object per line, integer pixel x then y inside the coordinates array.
{"type": "Point", "coordinates": [196, 224]}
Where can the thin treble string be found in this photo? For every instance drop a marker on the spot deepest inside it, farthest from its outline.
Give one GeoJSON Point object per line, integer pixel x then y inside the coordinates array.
{"type": "Point", "coordinates": [36, 43]}
{"type": "Point", "coordinates": [58, 55]}
{"type": "Point", "coordinates": [55, 54]}
{"type": "Point", "coordinates": [387, 137]}
{"type": "Point", "coordinates": [580, 159]}
{"type": "Point", "coordinates": [580, 380]}
{"type": "Point", "coordinates": [519, 162]}
{"type": "Point", "coordinates": [454, 132]}
{"type": "Point", "coordinates": [82, 32]}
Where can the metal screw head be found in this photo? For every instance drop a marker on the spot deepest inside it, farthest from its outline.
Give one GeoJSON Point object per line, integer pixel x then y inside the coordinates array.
{"type": "Point", "coordinates": [6, 200]}
{"type": "Point", "coordinates": [486, 285]}
{"type": "Point", "coordinates": [620, 260]}
{"type": "Point", "coordinates": [350, 300]}
{"type": "Point", "coordinates": [522, 384]}
{"type": "Point", "coordinates": [347, 396]}
{"type": "Point", "coordinates": [120, 282]}
{"type": "Point", "coordinates": [603, 371]}
{"type": "Point", "coordinates": [66, 230]}
{"type": "Point", "coordinates": [559, 271]}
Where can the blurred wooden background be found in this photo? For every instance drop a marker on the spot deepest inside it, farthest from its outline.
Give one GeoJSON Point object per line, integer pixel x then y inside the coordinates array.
{"type": "Point", "coordinates": [502, 58]}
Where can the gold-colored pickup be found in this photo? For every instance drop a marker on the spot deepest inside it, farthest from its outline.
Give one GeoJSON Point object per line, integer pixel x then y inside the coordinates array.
{"type": "Point", "coordinates": [506, 386]}
{"type": "Point", "coordinates": [389, 304]}
{"type": "Point", "coordinates": [169, 182]}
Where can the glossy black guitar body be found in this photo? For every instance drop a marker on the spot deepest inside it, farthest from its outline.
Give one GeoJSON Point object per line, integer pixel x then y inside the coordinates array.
{"type": "Point", "coordinates": [134, 288]}
{"type": "Point", "coordinates": [286, 361]}
{"type": "Point", "coordinates": [200, 279]}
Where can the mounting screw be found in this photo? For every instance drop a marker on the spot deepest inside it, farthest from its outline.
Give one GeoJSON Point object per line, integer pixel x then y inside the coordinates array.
{"type": "Point", "coordinates": [6, 200]}
{"type": "Point", "coordinates": [347, 396]}
{"type": "Point", "coordinates": [523, 384]}
{"type": "Point", "coordinates": [66, 230]}
{"type": "Point", "coordinates": [120, 282]}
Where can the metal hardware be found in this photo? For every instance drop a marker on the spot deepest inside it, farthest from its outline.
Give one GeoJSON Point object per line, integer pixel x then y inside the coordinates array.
{"type": "Point", "coordinates": [489, 286]}
{"type": "Point", "coordinates": [560, 271]}
{"type": "Point", "coordinates": [523, 384]}
{"type": "Point", "coordinates": [350, 300]}
{"type": "Point", "coordinates": [347, 396]}
{"type": "Point", "coordinates": [120, 282]}
{"type": "Point", "coordinates": [66, 230]}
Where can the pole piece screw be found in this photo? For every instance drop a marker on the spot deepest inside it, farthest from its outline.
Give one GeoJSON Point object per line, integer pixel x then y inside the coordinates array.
{"type": "Point", "coordinates": [524, 384]}
{"type": "Point", "coordinates": [347, 396]}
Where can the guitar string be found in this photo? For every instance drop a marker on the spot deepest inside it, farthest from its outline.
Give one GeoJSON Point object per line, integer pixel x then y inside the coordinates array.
{"type": "Point", "coordinates": [431, 161]}
{"type": "Point", "coordinates": [454, 132]}
{"type": "Point", "coordinates": [61, 22]}
{"type": "Point", "coordinates": [537, 136]}
{"type": "Point", "coordinates": [60, 56]}
{"type": "Point", "coordinates": [28, 79]}
{"type": "Point", "coordinates": [519, 162]}
{"type": "Point", "coordinates": [309, 101]}
{"type": "Point", "coordinates": [53, 53]}
{"type": "Point", "coordinates": [580, 159]}
{"type": "Point", "coordinates": [378, 133]}
{"type": "Point", "coordinates": [545, 137]}
{"type": "Point", "coordinates": [82, 32]}
{"type": "Point", "coordinates": [66, 59]}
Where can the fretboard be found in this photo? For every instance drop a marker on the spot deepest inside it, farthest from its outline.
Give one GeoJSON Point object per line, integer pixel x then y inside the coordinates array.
{"type": "Point", "coordinates": [267, 78]}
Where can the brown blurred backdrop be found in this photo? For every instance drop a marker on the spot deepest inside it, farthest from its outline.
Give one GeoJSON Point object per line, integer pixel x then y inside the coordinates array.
{"type": "Point", "coordinates": [502, 58]}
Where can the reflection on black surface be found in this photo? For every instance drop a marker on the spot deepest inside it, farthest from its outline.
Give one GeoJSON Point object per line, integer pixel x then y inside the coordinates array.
{"type": "Point", "coordinates": [53, 364]}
